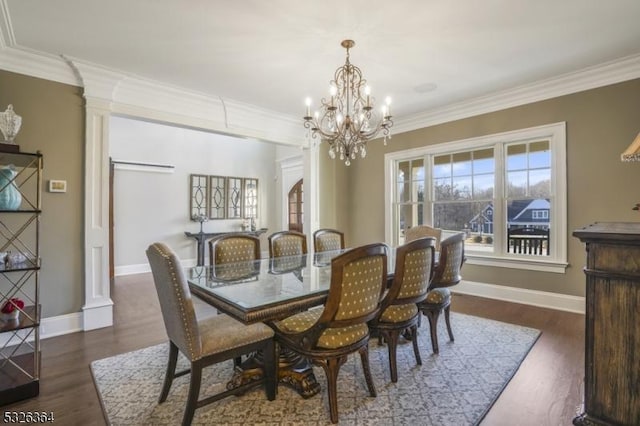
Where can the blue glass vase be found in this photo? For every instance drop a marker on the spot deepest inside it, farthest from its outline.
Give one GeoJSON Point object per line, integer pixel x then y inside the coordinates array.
{"type": "Point", "coordinates": [10, 197]}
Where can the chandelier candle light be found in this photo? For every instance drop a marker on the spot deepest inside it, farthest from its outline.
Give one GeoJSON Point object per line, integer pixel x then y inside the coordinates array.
{"type": "Point", "coordinates": [348, 120]}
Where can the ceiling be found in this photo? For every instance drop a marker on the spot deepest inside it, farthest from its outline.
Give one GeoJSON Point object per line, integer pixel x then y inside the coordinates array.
{"type": "Point", "coordinates": [273, 54]}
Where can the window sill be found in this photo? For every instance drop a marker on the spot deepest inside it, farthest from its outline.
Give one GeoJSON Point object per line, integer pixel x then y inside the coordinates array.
{"type": "Point", "coordinates": [517, 263]}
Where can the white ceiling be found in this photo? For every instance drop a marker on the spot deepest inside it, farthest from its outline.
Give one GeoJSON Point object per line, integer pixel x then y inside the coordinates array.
{"type": "Point", "coordinates": [275, 53]}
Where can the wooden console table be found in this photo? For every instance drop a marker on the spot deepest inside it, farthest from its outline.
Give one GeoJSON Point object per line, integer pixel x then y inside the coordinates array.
{"type": "Point", "coordinates": [201, 237]}
{"type": "Point", "coordinates": [612, 334]}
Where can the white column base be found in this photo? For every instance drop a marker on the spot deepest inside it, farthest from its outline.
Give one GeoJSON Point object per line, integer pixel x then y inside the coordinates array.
{"type": "Point", "coordinates": [97, 315]}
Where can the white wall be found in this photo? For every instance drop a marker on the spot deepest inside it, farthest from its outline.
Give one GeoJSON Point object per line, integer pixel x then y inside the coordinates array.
{"type": "Point", "coordinates": [151, 206]}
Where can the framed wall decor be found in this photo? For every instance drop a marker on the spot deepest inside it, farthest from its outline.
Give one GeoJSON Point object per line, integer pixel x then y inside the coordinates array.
{"type": "Point", "coordinates": [222, 197]}
{"type": "Point", "coordinates": [199, 196]}
{"type": "Point", "coordinates": [234, 198]}
{"type": "Point", "coordinates": [250, 193]}
{"type": "Point", "coordinates": [217, 197]}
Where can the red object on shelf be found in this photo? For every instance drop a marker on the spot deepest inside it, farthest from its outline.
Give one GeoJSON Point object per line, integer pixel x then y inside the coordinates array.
{"type": "Point", "coordinates": [11, 305]}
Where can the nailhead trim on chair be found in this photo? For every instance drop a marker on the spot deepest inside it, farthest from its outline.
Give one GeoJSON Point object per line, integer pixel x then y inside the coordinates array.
{"type": "Point", "coordinates": [191, 335]}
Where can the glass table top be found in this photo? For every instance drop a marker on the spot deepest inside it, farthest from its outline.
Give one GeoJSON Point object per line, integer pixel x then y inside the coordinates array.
{"type": "Point", "coordinates": [266, 281]}
{"type": "Point", "coordinates": [267, 288]}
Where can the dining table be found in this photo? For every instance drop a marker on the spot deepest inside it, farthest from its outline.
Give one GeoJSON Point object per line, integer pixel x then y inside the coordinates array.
{"type": "Point", "coordinates": [269, 290]}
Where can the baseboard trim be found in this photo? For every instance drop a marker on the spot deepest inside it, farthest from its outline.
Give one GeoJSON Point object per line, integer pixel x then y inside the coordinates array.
{"type": "Point", "coordinates": [97, 316]}
{"type": "Point", "coordinates": [49, 327]}
{"type": "Point", "coordinates": [542, 299]}
{"type": "Point", "coordinates": [61, 324]}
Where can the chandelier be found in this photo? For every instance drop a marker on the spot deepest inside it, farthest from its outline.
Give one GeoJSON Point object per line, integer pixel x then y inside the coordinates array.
{"type": "Point", "coordinates": [348, 120]}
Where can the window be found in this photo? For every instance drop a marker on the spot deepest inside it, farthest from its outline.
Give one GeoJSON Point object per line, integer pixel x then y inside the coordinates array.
{"type": "Point", "coordinates": [410, 190]}
{"type": "Point", "coordinates": [462, 193]}
{"type": "Point", "coordinates": [506, 192]}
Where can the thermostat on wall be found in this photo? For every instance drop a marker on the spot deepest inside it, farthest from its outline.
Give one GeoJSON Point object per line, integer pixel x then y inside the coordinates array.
{"type": "Point", "coordinates": [57, 186]}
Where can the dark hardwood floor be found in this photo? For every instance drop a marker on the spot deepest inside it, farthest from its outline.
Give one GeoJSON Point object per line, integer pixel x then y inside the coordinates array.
{"type": "Point", "coordinates": [546, 390]}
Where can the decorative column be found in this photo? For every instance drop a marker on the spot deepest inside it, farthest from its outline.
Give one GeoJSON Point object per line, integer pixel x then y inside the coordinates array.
{"type": "Point", "coordinates": [98, 307]}
{"type": "Point", "coordinates": [99, 87]}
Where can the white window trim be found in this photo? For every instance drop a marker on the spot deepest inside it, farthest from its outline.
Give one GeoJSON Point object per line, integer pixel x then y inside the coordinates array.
{"type": "Point", "coordinates": [557, 136]}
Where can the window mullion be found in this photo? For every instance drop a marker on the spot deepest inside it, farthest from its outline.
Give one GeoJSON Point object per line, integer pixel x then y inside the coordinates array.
{"type": "Point", "coordinates": [499, 201]}
{"type": "Point", "coordinates": [428, 189]}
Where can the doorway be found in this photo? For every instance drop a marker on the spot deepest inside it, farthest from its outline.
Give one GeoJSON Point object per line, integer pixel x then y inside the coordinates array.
{"type": "Point", "coordinates": [296, 211]}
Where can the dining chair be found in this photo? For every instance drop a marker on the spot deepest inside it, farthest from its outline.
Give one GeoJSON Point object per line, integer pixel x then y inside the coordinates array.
{"type": "Point", "coordinates": [287, 243]}
{"type": "Point", "coordinates": [421, 231]}
{"type": "Point", "coordinates": [446, 274]}
{"type": "Point", "coordinates": [327, 336]}
{"type": "Point", "coordinates": [399, 312]}
{"type": "Point", "coordinates": [203, 342]}
{"type": "Point", "coordinates": [233, 247]}
{"type": "Point", "coordinates": [328, 240]}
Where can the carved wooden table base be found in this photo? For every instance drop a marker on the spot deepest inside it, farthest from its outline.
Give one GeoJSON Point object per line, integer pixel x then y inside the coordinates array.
{"type": "Point", "coordinates": [293, 371]}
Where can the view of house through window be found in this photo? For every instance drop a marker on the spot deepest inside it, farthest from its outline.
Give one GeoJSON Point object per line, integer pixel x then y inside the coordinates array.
{"type": "Point", "coordinates": [498, 192]}
{"type": "Point", "coordinates": [463, 186]}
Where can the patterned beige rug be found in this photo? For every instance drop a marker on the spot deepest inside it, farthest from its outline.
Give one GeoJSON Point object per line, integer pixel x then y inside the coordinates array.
{"type": "Point", "coordinates": [456, 387]}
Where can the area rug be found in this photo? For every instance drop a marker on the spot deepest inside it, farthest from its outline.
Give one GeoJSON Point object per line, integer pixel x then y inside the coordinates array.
{"type": "Point", "coordinates": [456, 387]}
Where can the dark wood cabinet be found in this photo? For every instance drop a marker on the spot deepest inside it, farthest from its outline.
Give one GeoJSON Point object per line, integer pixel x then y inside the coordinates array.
{"type": "Point", "coordinates": [612, 338]}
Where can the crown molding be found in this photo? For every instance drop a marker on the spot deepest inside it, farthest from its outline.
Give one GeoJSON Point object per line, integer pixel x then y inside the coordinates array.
{"type": "Point", "coordinates": [137, 97]}
{"type": "Point", "coordinates": [39, 65]}
{"type": "Point", "coordinates": [612, 72]}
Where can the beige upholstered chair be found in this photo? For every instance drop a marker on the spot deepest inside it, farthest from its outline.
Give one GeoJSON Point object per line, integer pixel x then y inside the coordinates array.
{"type": "Point", "coordinates": [327, 240]}
{"type": "Point", "coordinates": [232, 248]}
{"type": "Point", "coordinates": [421, 231]}
{"type": "Point", "coordinates": [287, 243]}
{"type": "Point", "coordinates": [327, 336]}
{"type": "Point", "coordinates": [446, 274]}
{"type": "Point", "coordinates": [203, 342]}
{"type": "Point", "coordinates": [399, 309]}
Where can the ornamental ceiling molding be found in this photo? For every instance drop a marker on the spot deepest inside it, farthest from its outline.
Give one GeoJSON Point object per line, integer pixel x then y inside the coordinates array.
{"type": "Point", "coordinates": [617, 71]}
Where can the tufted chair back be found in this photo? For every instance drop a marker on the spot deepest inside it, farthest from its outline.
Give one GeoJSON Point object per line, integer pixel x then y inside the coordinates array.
{"type": "Point", "coordinates": [175, 300]}
{"type": "Point", "coordinates": [414, 262]}
{"type": "Point", "coordinates": [359, 285]}
{"type": "Point", "coordinates": [287, 243]}
{"type": "Point", "coordinates": [421, 231]}
{"type": "Point", "coordinates": [450, 263]}
{"type": "Point", "coordinates": [327, 240]}
{"type": "Point", "coordinates": [232, 248]}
